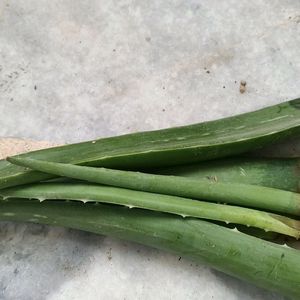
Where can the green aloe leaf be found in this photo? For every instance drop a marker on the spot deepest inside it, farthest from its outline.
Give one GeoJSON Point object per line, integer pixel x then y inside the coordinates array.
{"type": "Point", "coordinates": [262, 263]}
{"type": "Point", "coordinates": [157, 202]}
{"type": "Point", "coordinates": [281, 174]}
{"type": "Point", "coordinates": [168, 147]}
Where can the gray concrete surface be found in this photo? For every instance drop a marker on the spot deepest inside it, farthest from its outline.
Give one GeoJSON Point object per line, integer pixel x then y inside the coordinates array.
{"type": "Point", "coordinates": [76, 70]}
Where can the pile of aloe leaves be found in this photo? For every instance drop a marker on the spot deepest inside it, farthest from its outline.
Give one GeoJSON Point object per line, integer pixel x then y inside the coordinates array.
{"type": "Point", "coordinates": [192, 190]}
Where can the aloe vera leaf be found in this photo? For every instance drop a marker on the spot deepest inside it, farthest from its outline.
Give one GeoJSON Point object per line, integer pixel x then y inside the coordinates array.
{"type": "Point", "coordinates": [281, 174]}
{"type": "Point", "coordinates": [164, 203]}
{"type": "Point", "coordinates": [167, 147]}
{"type": "Point", "coordinates": [262, 263]}
{"type": "Point", "coordinates": [234, 193]}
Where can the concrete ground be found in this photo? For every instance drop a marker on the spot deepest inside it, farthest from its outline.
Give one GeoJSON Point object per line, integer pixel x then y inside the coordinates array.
{"type": "Point", "coordinates": [74, 70]}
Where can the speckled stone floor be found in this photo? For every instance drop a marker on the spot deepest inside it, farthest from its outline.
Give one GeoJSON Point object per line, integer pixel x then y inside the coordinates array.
{"type": "Point", "coordinates": [74, 70]}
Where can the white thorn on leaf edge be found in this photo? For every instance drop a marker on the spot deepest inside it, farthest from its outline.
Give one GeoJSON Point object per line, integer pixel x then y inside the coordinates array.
{"type": "Point", "coordinates": [286, 246]}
